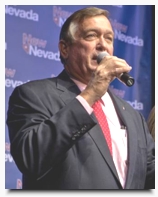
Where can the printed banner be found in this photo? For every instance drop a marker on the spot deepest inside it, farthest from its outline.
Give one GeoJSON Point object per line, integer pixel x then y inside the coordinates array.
{"type": "Point", "coordinates": [31, 52]}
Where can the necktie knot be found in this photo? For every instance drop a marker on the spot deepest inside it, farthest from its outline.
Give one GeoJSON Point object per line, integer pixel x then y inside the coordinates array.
{"type": "Point", "coordinates": [97, 105]}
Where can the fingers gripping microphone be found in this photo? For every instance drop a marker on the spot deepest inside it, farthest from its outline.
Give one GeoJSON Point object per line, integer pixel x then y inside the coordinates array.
{"type": "Point", "coordinates": [124, 77]}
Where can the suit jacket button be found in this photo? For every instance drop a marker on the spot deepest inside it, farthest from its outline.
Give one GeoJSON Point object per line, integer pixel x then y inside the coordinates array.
{"type": "Point", "coordinates": [73, 138]}
{"type": "Point", "coordinates": [83, 128]}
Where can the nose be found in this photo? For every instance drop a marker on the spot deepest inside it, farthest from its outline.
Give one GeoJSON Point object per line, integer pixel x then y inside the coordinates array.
{"type": "Point", "coordinates": [102, 44]}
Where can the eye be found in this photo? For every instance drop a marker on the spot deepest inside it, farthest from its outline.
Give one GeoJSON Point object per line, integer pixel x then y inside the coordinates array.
{"type": "Point", "coordinates": [109, 38]}
{"type": "Point", "coordinates": [91, 35]}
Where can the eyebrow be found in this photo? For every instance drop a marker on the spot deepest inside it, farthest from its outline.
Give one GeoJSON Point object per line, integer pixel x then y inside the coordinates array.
{"type": "Point", "coordinates": [96, 30]}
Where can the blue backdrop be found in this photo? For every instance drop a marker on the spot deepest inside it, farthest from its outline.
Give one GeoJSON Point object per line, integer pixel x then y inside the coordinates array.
{"type": "Point", "coordinates": [31, 52]}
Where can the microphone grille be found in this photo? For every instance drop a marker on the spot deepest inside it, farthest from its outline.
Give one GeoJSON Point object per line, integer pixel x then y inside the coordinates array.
{"type": "Point", "coordinates": [101, 56]}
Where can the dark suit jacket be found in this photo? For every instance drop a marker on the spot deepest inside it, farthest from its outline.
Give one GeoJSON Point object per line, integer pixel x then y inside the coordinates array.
{"type": "Point", "coordinates": [57, 145]}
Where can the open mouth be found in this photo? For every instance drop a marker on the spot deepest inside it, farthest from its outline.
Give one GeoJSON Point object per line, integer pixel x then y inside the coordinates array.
{"type": "Point", "coordinates": [94, 59]}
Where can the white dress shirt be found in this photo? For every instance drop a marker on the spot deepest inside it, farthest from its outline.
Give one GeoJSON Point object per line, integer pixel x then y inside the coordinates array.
{"type": "Point", "coordinates": [118, 135]}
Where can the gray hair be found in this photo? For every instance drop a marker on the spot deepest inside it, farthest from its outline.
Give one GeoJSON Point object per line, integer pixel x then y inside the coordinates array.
{"type": "Point", "coordinates": [70, 26]}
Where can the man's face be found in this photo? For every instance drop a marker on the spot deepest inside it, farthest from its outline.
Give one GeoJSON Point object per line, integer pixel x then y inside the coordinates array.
{"type": "Point", "coordinates": [94, 35]}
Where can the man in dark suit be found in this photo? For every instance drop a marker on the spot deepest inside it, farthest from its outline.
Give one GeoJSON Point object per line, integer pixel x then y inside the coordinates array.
{"type": "Point", "coordinates": [56, 139]}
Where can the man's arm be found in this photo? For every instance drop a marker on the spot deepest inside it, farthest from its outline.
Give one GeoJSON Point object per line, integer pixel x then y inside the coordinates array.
{"type": "Point", "coordinates": [39, 136]}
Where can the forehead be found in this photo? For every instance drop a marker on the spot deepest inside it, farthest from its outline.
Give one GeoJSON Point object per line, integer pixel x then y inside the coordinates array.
{"type": "Point", "coordinates": [98, 22]}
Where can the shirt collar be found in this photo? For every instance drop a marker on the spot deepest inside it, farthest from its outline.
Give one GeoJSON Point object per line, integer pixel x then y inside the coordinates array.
{"type": "Point", "coordinates": [82, 86]}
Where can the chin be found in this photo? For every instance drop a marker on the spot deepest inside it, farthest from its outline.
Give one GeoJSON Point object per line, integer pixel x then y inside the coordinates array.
{"type": "Point", "coordinates": [94, 67]}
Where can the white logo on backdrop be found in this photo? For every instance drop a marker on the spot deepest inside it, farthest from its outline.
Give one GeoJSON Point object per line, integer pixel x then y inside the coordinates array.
{"type": "Point", "coordinates": [14, 11]}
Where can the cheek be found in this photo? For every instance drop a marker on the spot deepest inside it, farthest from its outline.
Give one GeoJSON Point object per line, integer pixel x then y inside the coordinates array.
{"type": "Point", "coordinates": [111, 50]}
{"type": "Point", "coordinates": [83, 47]}
{"type": "Point", "coordinates": [78, 53]}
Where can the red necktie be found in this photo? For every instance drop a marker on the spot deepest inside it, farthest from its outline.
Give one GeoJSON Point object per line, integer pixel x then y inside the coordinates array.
{"type": "Point", "coordinates": [100, 115]}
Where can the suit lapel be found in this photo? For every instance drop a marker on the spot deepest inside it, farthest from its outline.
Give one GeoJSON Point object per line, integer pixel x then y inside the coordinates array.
{"type": "Point", "coordinates": [68, 91]}
{"type": "Point", "coordinates": [100, 142]}
{"type": "Point", "coordinates": [127, 120]}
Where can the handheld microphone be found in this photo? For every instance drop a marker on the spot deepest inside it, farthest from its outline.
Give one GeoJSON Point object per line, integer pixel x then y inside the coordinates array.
{"type": "Point", "coordinates": [124, 77]}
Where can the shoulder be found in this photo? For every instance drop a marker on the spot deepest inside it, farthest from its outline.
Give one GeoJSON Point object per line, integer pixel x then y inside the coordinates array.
{"type": "Point", "coordinates": [38, 87]}
{"type": "Point", "coordinates": [120, 104]}
{"type": "Point", "coordinates": [38, 84]}
{"type": "Point", "coordinates": [119, 100]}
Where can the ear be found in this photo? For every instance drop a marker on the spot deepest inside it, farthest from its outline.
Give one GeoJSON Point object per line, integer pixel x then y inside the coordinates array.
{"type": "Point", "coordinates": [63, 47]}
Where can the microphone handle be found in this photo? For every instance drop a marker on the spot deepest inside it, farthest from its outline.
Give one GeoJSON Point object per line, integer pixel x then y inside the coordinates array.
{"type": "Point", "coordinates": [127, 79]}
